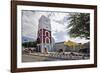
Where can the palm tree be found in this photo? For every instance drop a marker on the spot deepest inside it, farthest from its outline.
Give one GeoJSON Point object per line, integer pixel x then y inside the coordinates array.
{"type": "Point", "coordinates": [79, 25]}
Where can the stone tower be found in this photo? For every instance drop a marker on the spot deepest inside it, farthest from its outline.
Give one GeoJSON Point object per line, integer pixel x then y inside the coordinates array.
{"type": "Point", "coordinates": [44, 35]}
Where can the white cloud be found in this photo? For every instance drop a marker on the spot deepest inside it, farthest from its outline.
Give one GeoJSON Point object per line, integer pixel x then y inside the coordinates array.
{"type": "Point", "coordinates": [29, 24]}
{"type": "Point", "coordinates": [78, 40]}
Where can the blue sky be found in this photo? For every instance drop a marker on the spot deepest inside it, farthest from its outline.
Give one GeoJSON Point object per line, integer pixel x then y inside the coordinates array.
{"type": "Point", "coordinates": [59, 25]}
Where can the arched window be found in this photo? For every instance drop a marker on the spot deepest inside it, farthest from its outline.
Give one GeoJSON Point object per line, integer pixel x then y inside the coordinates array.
{"type": "Point", "coordinates": [47, 33]}
{"type": "Point", "coordinates": [47, 40]}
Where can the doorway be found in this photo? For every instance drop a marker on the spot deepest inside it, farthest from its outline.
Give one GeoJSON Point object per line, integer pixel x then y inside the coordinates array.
{"type": "Point", "coordinates": [45, 50]}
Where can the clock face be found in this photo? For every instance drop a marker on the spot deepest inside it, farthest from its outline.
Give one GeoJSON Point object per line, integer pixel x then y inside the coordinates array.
{"type": "Point", "coordinates": [46, 27]}
{"type": "Point", "coordinates": [46, 22]}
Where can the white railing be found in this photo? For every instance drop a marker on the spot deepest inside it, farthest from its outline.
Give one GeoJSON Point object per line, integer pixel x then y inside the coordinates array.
{"type": "Point", "coordinates": [65, 56]}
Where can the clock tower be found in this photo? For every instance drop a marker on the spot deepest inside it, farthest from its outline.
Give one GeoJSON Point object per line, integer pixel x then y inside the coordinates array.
{"type": "Point", "coordinates": [44, 35]}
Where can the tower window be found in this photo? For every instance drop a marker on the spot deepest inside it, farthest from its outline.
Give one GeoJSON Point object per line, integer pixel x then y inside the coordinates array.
{"type": "Point", "coordinates": [47, 40]}
{"type": "Point", "coordinates": [47, 33]}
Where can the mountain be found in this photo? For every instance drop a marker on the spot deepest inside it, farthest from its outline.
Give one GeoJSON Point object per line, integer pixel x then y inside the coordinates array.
{"type": "Point", "coordinates": [27, 39]}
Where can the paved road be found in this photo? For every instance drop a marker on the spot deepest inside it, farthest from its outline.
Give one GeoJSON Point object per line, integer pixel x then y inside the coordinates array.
{"type": "Point", "coordinates": [33, 58]}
